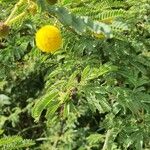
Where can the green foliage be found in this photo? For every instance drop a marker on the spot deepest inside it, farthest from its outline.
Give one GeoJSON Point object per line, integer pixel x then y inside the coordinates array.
{"type": "Point", "coordinates": [14, 142]}
{"type": "Point", "coordinates": [92, 94]}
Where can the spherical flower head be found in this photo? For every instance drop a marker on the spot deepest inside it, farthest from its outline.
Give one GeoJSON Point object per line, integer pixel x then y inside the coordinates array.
{"type": "Point", "coordinates": [33, 7]}
{"type": "Point", "coordinates": [48, 39]}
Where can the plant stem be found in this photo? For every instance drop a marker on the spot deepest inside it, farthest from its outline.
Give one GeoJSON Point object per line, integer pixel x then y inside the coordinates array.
{"type": "Point", "coordinates": [29, 128]}
{"type": "Point", "coordinates": [14, 11]}
{"type": "Point", "coordinates": [16, 18]}
{"type": "Point", "coordinates": [105, 146]}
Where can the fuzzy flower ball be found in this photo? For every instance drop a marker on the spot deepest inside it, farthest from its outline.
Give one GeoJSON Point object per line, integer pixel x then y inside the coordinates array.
{"type": "Point", "coordinates": [48, 39]}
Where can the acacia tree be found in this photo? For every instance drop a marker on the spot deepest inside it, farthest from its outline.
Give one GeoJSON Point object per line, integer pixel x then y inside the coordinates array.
{"type": "Point", "coordinates": [92, 91]}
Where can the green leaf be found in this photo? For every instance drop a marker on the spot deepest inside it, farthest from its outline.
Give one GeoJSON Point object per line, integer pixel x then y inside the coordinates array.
{"type": "Point", "coordinates": [95, 138]}
{"type": "Point", "coordinates": [4, 100]}
{"type": "Point", "coordinates": [15, 142]}
{"type": "Point", "coordinates": [42, 5]}
{"type": "Point", "coordinates": [52, 108]}
{"type": "Point", "coordinates": [42, 103]}
{"type": "Point", "coordinates": [80, 24]}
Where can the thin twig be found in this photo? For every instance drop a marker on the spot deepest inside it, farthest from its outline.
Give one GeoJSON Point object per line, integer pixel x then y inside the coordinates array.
{"type": "Point", "coordinates": [105, 146]}
{"type": "Point", "coordinates": [14, 11]}
{"type": "Point", "coordinates": [17, 18]}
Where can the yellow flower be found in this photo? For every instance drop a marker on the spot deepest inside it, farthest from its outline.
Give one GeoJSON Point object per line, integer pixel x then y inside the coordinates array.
{"type": "Point", "coordinates": [48, 39]}
{"type": "Point", "coordinates": [33, 7]}
{"type": "Point", "coordinates": [107, 20]}
{"type": "Point", "coordinates": [99, 36]}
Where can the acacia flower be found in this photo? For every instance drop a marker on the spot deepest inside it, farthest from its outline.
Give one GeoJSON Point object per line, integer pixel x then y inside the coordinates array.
{"type": "Point", "coordinates": [48, 39]}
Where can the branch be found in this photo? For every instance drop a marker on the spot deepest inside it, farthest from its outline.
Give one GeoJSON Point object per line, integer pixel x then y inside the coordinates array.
{"type": "Point", "coordinates": [108, 134]}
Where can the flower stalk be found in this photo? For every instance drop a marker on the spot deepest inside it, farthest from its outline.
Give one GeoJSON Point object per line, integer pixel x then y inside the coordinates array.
{"type": "Point", "coordinates": [17, 18]}
{"type": "Point", "coordinates": [14, 11]}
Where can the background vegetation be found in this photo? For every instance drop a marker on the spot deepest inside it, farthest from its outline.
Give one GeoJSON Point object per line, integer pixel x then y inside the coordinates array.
{"type": "Point", "coordinates": [93, 94]}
